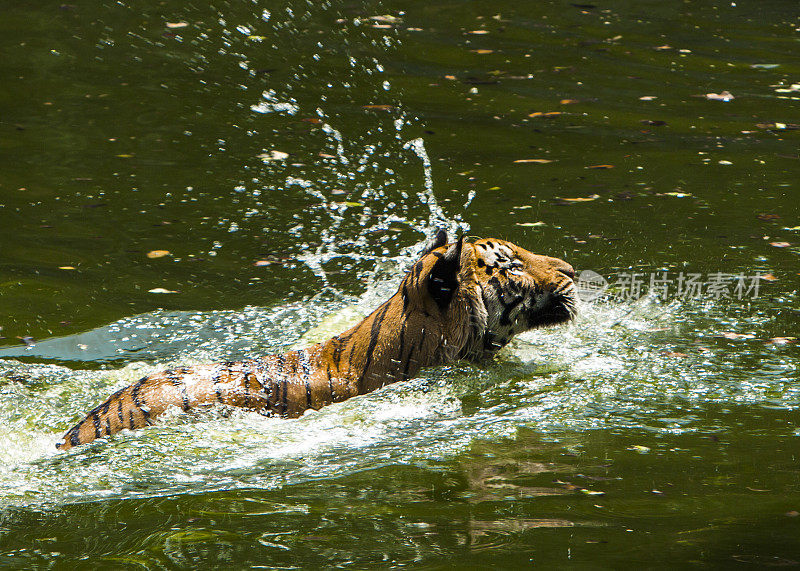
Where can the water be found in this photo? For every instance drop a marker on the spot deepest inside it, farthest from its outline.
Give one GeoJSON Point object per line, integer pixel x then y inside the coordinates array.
{"type": "Point", "coordinates": [292, 159]}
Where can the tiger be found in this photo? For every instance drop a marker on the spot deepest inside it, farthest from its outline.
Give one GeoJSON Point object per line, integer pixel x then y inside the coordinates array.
{"type": "Point", "coordinates": [460, 300]}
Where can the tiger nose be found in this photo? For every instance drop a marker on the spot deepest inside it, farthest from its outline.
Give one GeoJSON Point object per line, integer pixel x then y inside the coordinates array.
{"type": "Point", "coordinates": [565, 268]}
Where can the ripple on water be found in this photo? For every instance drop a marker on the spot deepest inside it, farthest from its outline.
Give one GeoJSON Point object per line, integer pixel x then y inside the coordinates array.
{"type": "Point", "coordinates": [618, 366]}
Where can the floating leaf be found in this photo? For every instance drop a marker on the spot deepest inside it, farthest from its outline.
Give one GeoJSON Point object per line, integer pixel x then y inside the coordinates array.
{"type": "Point", "coordinates": [66, 267]}
{"type": "Point", "coordinates": [724, 96]}
{"type": "Point", "coordinates": [271, 259]}
{"type": "Point", "coordinates": [386, 18]}
{"type": "Point", "coordinates": [639, 448]}
{"type": "Point", "coordinates": [769, 278]}
{"type": "Point", "coordinates": [569, 101]}
{"type": "Point", "coordinates": [531, 224]}
{"type": "Point", "coordinates": [780, 244]}
{"type": "Point", "coordinates": [161, 290]}
{"type": "Point", "coordinates": [348, 204]}
{"type": "Point", "coordinates": [581, 198]}
{"type": "Point", "coordinates": [174, 25]}
{"type": "Point", "coordinates": [731, 335]}
{"type": "Point", "coordinates": [769, 216]}
{"type": "Point", "coordinates": [153, 254]}
{"type": "Point", "coordinates": [600, 167]}
{"type": "Point", "coordinates": [782, 340]}
{"type": "Point", "coordinates": [647, 98]}
{"type": "Point", "coordinates": [778, 126]}
{"type": "Point", "coordinates": [537, 161]}
{"type": "Point", "coordinates": [379, 107]}
{"type": "Point", "coordinates": [273, 156]}
{"type": "Point", "coordinates": [764, 65]}
{"type": "Point", "coordinates": [544, 114]}
{"type": "Point", "coordinates": [482, 51]}
{"type": "Point", "coordinates": [567, 485]}
{"type": "Point", "coordinates": [478, 32]}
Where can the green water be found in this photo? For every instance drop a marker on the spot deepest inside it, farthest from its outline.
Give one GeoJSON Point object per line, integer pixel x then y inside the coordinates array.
{"type": "Point", "coordinates": [325, 141]}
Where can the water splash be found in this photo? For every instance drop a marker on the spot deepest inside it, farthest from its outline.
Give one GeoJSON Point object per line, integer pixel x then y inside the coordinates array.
{"type": "Point", "coordinates": [619, 366]}
{"type": "Point", "coordinates": [437, 219]}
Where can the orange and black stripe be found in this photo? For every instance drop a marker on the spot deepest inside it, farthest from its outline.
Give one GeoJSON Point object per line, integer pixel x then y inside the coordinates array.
{"type": "Point", "coordinates": [438, 313]}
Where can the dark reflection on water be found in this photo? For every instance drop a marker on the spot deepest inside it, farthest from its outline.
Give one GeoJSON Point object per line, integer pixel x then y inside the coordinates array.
{"type": "Point", "coordinates": [590, 498]}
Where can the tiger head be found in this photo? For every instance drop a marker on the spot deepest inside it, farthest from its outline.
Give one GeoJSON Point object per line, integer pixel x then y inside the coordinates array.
{"type": "Point", "coordinates": [487, 291]}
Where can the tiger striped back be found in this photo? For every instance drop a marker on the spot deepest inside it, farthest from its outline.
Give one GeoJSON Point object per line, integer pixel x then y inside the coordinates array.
{"type": "Point", "coordinates": [462, 300]}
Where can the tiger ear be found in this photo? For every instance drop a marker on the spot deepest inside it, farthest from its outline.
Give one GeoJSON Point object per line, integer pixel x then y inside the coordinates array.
{"type": "Point", "coordinates": [438, 241]}
{"type": "Point", "coordinates": [443, 277]}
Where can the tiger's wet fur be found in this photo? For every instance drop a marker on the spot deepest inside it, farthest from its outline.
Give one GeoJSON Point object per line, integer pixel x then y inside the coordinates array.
{"type": "Point", "coordinates": [461, 300]}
